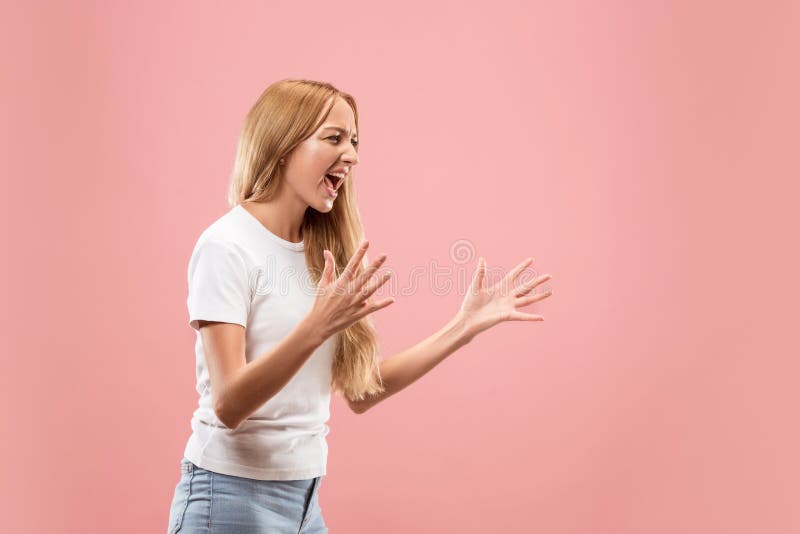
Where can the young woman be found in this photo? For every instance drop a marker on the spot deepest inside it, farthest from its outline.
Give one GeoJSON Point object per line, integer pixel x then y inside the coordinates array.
{"type": "Point", "coordinates": [280, 324]}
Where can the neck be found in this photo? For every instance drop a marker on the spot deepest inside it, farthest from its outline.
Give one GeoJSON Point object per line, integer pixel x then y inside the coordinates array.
{"type": "Point", "coordinates": [281, 215]}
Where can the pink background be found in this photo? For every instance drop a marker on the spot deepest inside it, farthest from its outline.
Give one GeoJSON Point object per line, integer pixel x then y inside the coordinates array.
{"type": "Point", "coordinates": [645, 153]}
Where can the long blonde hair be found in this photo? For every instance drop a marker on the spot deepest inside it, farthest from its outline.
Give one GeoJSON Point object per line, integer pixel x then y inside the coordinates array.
{"type": "Point", "coordinates": [284, 115]}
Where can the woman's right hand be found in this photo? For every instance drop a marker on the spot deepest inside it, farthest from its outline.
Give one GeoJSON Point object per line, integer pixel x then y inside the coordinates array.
{"type": "Point", "coordinates": [342, 301]}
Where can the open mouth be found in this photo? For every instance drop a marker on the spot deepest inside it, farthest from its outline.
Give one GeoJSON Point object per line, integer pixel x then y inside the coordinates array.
{"type": "Point", "coordinates": [332, 181]}
{"type": "Point", "coordinates": [331, 184]}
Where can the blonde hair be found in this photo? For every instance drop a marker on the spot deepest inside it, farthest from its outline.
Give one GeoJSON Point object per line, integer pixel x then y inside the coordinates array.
{"type": "Point", "coordinates": [284, 115]}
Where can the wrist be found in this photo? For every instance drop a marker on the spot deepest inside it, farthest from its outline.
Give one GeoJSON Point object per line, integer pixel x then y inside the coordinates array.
{"type": "Point", "coordinates": [312, 331]}
{"type": "Point", "coordinates": [464, 331]}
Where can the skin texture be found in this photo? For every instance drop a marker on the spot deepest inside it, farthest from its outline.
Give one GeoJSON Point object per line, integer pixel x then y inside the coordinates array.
{"type": "Point", "coordinates": [239, 388]}
{"type": "Point", "coordinates": [304, 171]}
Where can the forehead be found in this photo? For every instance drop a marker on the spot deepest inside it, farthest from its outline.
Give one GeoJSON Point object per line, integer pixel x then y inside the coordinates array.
{"type": "Point", "coordinates": [341, 118]}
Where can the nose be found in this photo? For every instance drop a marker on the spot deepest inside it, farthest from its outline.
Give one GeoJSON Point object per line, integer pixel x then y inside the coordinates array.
{"type": "Point", "coordinates": [350, 156]}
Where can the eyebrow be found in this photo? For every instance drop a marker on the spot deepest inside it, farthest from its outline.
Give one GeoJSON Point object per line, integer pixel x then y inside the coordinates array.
{"type": "Point", "coordinates": [342, 130]}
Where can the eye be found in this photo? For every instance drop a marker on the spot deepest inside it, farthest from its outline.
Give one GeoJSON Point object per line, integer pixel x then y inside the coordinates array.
{"type": "Point", "coordinates": [355, 141]}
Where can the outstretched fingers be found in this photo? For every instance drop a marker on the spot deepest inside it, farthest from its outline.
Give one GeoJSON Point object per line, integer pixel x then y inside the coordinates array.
{"type": "Point", "coordinates": [382, 303]}
{"type": "Point", "coordinates": [527, 287]}
{"type": "Point", "coordinates": [373, 285]}
{"type": "Point", "coordinates": [520, 316]}
{"type": "Point", "coordinates": [374, 306]}
{"type": "Point", "coordinates": [514, 273]}
{"type": "Point", "coordinates": [352, 265]}
{"type": "Point", "coordinates": [366, 275]}
{"type": "Point", "coordinates": [530, 299]}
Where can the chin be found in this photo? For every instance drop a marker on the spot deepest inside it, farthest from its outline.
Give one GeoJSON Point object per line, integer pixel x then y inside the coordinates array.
{"type": "Point", "coordinates": [323, 202]}
{"type": "Point", "coordinates": [325, 206]}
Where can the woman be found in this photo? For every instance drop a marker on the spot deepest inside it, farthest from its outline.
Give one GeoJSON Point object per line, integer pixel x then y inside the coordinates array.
{"type": "Point", "coordinates": [279, 324]}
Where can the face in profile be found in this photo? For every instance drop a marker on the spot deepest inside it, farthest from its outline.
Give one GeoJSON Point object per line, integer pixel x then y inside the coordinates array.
{"type": "Point", "coordinates": [316, 169]}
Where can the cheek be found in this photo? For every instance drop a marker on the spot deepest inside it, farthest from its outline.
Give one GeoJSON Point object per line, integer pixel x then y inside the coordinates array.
{"type": "Point", "coordinates": [310, 163]}
{"type": "Point", "coordinates": [318, 156]}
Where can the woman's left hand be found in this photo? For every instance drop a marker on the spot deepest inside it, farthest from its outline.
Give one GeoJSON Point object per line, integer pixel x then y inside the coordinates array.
{"type": "Point", "coordinates": [485, 307]}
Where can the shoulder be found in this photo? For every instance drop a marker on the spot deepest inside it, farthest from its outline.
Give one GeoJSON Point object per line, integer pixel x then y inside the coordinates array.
{"type": "Point", "coordinates": [224, 235]}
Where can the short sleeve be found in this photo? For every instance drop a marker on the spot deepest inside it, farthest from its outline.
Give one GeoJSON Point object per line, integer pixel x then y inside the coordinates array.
{"type": "Point", "coordinates": [218, 284]}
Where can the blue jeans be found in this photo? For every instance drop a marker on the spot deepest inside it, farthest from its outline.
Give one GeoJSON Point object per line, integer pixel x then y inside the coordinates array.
{"type": "Point", "coordinates": [206, 501]}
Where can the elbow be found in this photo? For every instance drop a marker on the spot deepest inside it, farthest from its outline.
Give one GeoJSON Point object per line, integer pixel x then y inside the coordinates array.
{"type": "Point", "coordinates": [224, 417]}
{"type": "Point", "coordinates": [358, 407]}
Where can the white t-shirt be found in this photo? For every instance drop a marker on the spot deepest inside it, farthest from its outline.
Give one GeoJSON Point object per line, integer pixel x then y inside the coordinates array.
{"type": "Point", "coordinates": [242, 273]}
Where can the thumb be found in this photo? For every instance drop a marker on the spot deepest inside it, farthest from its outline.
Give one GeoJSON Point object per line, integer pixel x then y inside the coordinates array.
{"type": "Point", "coordinates": [327, 272]}
{"type": "Point", "coordinates": [480, 274]}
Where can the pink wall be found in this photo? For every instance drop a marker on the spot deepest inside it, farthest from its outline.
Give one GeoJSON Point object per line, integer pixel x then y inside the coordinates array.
{"type": "Point", "coordinates": [644, 152]}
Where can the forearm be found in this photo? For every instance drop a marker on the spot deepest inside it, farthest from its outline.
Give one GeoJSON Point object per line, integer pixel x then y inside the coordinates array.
{"type": "Point", "coordinates": [261, 379]}
{"type": "Point", "coordinates": [404, 368]}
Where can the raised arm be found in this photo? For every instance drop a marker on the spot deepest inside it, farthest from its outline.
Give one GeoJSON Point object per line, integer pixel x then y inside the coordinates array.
{"type": "Point", "coordinates": [482, 308]}
{"type": "Point", "coordinates": [238, 388]}
{"type": "Point", "coordinates": [404, 368]}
